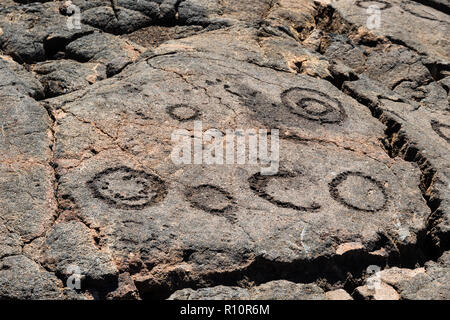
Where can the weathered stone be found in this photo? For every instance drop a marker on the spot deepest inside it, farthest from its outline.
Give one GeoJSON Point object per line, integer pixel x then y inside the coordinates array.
{"type": "Point", "coordinates": [36, 32]}
{"type": "Point", "coordinates": [380, 292]}
{"type": "Point", "coordinates": [126, 22]}
{"type": "Point", "coordinates": [153, 36]}
{"type": "Point", "coordinates": [126, 289]}
{"type": "Point", "coordinates": [88, 178]}
{"type": "Point", "coordinates": [22, 278]}
{"type": "Point", "coordinates": [64, 76]}
{"type": "Point", "coordinates": [14, 77]}
{"type": "Point", "coordinates": [215, 293]}
{"type": "Point", "coordinates": [339, 294]}
{"type": "Point", "coordinates": [395, 275]}
{"type": "Point", "coordinates": [276, 290]}
{"type": "Point", "coordinates": [72, 244]}
{"type": "Point", "coordinates": [168, 224]}
{"type": "Point", "coordinates": [428, 283]}
{"type": "Point", "coordinates": [26, 188]}
{"type": "Point", "coordinates": [419, 135]}
{"type": "Point", "coordinates": [10, 243]}
{"type": "Point", "coordinates": [434, 284]}
{"type": "Point", "coordinates": [416, 19]}
{"type": "Point", "coordinates": [114, 53]}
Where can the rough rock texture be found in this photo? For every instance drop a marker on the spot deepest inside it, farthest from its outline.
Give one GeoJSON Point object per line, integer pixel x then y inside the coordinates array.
{"type": "Point", "coordinates": [90, 96]}
{"type": "Point", "coordinates": [63, 76]}
{"type": "Point", "coordinates": [275, 290]}
{"type": "Point", "coordinates": [427, 283]}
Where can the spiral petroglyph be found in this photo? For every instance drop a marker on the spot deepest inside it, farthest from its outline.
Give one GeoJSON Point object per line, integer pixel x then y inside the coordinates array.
{"type": "Point", "coordinates": [313, 105]}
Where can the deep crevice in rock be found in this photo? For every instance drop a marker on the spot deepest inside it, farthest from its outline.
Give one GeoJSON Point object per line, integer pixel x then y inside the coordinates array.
{"type": "Point", "coordinates": [396, 142]}
{"type": "Point", "coordinates": [346, 271]}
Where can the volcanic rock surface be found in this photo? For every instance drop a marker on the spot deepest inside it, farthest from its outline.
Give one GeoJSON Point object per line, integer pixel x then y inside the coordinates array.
{"type": "Point", "coordinates": [90, 97]}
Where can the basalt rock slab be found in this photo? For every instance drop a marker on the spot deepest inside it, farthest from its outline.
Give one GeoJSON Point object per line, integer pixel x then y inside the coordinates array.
{"type": "Point", "coordinates": [400, 20]}
{"type": "Point", "coordinates": [15, 77]}
{"type": "Point", "coordinates": [22, 278]}
{"type": "Point", "coordinates": [106, 49]}
{"type": "Point", "coordinates": [127, 16]}
{"type": "Point", "coordinates": [422, 140]}
{"type": "Point", "coordinates": [431, 285]}
{"type": "Point", "coordinates": [73, 243]}
{"type": "Point", "coordinates": [428, 283]}
{"type": "Point", "coordinates": [64, 76]}
{"type": "Point", "coordinates": [276, 290]}
{"type": "Point", "coordinates": [35, 32]}
{"type": "Point", "coordinates": [91, 174]}
{"type": "Point", "coordinates": [104, 18]}
{"type": "Point", "coordinates": [371, 53]}
{"type": "Point", "coordinates": [336, 194]}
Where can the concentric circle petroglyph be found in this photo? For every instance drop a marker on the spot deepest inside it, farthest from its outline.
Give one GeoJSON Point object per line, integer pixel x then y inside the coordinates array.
{"type": "Point", "coordinates": [313, 105]}
{"type": "Point", "coordinates": [358, 191]}
{"type": "Point", "coordinates": [183, 112]}
{"type": "Point", "coordinates": [126, 188]}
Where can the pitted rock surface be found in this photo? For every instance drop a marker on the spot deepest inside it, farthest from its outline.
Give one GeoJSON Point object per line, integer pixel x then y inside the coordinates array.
{"type": "Point", "coordinates": [88, 181]}
{"type": "Point", "coordinates": [275, 290]}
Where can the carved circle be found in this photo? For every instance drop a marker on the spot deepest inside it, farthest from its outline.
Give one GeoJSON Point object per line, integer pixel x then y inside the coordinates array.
{"type": "Point", "coordinates": [358, 192]}
{"type": "Point", "coordinates": [259, 184]}
{"type": "Point", "coordinates": [437, 127]}
{"type": "Point", "coordinates": [313, 105]}
{"type": "Point", "coordinates": [367, 3]}
{"type": "Point", "coordinates": [212, 199]}
{"type": "Point", "coordinates": [183, 112]}
{"type": "Point", "coordinates": [126, 188]}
